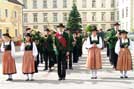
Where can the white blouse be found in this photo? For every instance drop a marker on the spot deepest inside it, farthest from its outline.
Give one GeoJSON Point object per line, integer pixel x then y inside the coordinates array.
{"type": "Point", "coordinates": [130, 47]}
{"type": "Point", "coordinates": [89, 45]}
{"type": "Point", "coordinates": [34, 51]}
{"type": "Point", "coordinates": [12, 47]}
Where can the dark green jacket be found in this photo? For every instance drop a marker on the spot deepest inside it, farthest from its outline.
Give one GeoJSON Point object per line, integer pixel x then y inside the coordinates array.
{"type": "Point", "coordinates": [71, 42]}
{"type": "Point", "coordinates": [111, 38]}
{"type": "Point", "coordinates": [59, 45]}
{"type": "Point", "coordinates": [46, 44]}
{"type": "Point", "coordinates": [79, 39]}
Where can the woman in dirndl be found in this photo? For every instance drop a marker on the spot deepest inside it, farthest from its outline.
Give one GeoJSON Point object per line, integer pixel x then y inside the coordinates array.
{"type": "Point", "coordinates": [94, 45]}
{"type": "Point", "coordinates": [29, 57]}
{"type": "Point", "coordinates": [8, 61]}
{"type": "Point", "coordinates": [123, 48]}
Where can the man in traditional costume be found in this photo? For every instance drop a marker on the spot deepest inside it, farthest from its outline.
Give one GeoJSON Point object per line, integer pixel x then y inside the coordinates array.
{"type": "Point", "coordinates": [69, 61]}
{"type": "Point", "coordinates": [61, 42]}
{"type": "Point", "coordinates": [112, 39]}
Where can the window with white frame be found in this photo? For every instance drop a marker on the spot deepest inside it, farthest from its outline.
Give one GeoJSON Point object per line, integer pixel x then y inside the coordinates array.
{"type": "Point", "coordinates": [103, 3]}
{"type": "Point", "coordinates": [112, 16]}
{"type": "Point", "coordinates": [103, 16]}
{"type": "Point", "coordinates": [117, 15]}
{"type": "Point", "coordinates": [55, 17]}
{"type": "Point", "coordinates": [126, 11]}
{"type": "Point", "coordinates": [64, 3]}
{"type": "Point", "coordinates": [93, 16]}
{"type": "Point", "coordinates": [54, 3]}
{"type": "Point", "coordinates": [45, 16]}
{"type": "Point", "coordinates": [15, 14]}
{"type": "Point", "coordinates": [35, 17]}
{"type": "Point", "coordinates": [6, 12]}
{"type": "Point", "coordinates": [93, 3]}
{"type": "Point", "coordinates": [112, 3]}
{"type": "Point", "coordinates": [16, 32]}
{"type": "Point", "coordinates": [34, 4]}
{"type": "Point", "coordinates": [44, 3]}
{"type": "Point", "coordinates": [123, 13]}
{"type": "Point", "coordinates": [64, 17]}
{"type": "Point", "coordinates": [75, 1]}
{"type": "Point", "coordinates": [84, 16]}
{"type": "Point", "coordinates": [25, 4]}
{"type": "Point", "coordinates": [25, 17]}
{"type": "Point", "coordinates": [84, 3]}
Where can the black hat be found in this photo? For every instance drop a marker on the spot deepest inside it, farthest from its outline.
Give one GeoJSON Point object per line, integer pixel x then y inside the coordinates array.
{"type": "Point", "coordinates": [28, 29]}
{"type": "Point", "coordinates": [7, 35]}
{"type": "Point", "coordinates": [28, 35]}
{"type": "Point", "coordinates": [61, 25]}
{"type": "Point", "coordinates": [116, 24]}
{"type": "Point", "coordinates": [46, 29]}
{"type": "Point", "coordinates": [123, 31]}
{"type": "Point", "coordinates": [93, 28]}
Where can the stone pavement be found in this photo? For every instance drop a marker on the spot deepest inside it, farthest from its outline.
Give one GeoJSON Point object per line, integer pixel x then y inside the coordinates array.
{"type": "Point", "coordinates": [79, 78]}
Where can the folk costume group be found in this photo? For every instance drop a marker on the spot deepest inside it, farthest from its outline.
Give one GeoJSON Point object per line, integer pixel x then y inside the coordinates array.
{"type": "Point", "coordinates": [120, 49]}
{"type": "Point", "coordinates": [51, 48]}
{"type": "Point", "coordinates": [64, 48]}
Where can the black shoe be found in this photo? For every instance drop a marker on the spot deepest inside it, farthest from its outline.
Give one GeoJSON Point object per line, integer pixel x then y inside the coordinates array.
{"type": "Point", "coordinates": [45, 69]}
{"type": "Point", "coordinates": [60, 79]}
{"type": "Point", "coordinates": [41, 62]}
{"type": "Point", "coordinates": [95, 77]}
{"type": "Point", "coordinates": [71, 68]}
{"type": "Point", "coordinates": [32, 80]}
{"type": "Point", "coordinates": [75, 62]}
{"type": "Point", "coordinates": [50, 70]}
{"type": "Point", "coordinates": [126, 77]}
{"type": "Point", "coordinates": [27, 80]}
{"type": "Point", "coordinates": [121, 77]}
{"type": "Point", "coordinates": [9, 79]}
{"type": "Point", "coordinates": [63, 78]}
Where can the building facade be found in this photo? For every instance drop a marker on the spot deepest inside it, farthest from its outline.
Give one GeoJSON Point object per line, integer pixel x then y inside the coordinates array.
{"type": "Point", "coordinates": [125, 14]}
{"type": "Point", "coordinates": [11, 18]}
{"type": "Point", "coordinates": [39, 14]}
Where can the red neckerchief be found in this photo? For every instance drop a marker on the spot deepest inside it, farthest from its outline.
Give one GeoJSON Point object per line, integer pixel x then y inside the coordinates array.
{"type": "Point", "coordinates": [61, 39]}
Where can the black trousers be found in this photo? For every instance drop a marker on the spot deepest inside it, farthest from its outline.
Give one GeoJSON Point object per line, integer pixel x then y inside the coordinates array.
{"type": "Point", "coordinates": [48, 58]}
{"type": "Point", "coordinates": [80, 51]}
{"type": "Point", "coordinates": [39, 57]}
{"type": "Point", "coordinates": [69, 61]}
{"type": "Point", "coordinates": [107, 50]}
{"type": "Point", "coordinates": [113, 57]}
{"type": "Point", "coordinates": [36, 66]}
{"type": "Point", "coordinates": [75, 55]}
{"type": "Point", "coordinates": [61, 64]}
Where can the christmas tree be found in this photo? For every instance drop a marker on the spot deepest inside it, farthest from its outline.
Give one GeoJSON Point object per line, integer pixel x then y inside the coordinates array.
{"type": "Point", "coordinates": [74, 21]}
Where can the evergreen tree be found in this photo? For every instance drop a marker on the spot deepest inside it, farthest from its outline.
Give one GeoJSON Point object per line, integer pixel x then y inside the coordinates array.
{"type": "Point", "coordinates": [74, 21]}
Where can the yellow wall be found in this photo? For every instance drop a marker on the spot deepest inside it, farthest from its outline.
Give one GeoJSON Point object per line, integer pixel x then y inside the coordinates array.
{"type": "Point", "coordinates": [11, 22]}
